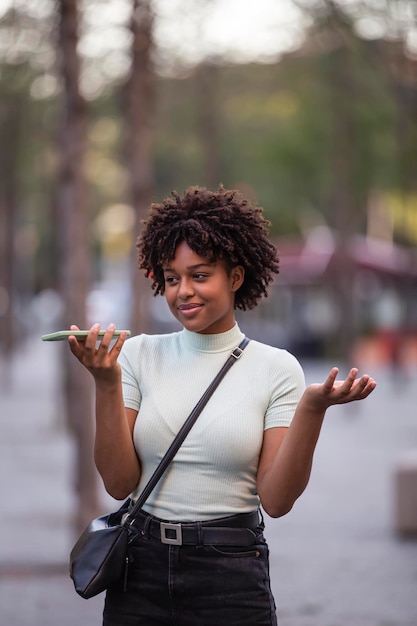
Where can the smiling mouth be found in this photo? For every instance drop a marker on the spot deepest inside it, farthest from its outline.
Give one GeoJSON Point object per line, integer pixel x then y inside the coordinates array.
{"type": "Point", "coordinates": [188, 307]}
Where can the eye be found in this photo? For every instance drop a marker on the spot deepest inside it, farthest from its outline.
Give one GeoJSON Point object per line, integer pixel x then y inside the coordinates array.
{"type": "Point", "coordinates": [199, 276]}
{"type": "Point", "coordinates": [170, 280]}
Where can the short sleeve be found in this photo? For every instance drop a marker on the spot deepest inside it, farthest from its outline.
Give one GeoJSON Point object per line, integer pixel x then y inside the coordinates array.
{"type": "Point", "coordinates": [287, 386]}
{"type": "Point", "coordinates": [129, 362]}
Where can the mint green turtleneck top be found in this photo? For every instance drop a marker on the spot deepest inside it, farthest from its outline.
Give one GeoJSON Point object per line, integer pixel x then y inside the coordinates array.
{"type": "Point", "coordinates": [214, 472]}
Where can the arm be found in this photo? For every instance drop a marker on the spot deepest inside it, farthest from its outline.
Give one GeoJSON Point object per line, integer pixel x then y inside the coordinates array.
{"type": "Point", "coordinates": [114, 452]}
{"type": "Point", "coordinates": [287, 454]}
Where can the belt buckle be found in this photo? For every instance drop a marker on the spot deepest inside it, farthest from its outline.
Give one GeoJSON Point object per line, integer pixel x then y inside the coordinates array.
{"type": "Point", "coordinates": [174, 541]}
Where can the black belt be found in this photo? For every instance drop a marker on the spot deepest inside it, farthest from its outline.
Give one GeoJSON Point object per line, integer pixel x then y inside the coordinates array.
{"type": "Point", "coordinates": [237, 530]}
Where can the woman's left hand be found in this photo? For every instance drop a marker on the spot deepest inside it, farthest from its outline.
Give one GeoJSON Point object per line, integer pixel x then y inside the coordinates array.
{"type": "Point", "coordinates": [320, 396]}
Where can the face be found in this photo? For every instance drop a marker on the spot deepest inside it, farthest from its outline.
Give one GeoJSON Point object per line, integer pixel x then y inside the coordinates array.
{"type": "Point", "coordinates": [201, 294]}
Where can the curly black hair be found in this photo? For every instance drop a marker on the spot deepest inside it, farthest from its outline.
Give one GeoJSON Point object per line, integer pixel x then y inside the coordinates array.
{"type": "Point", "coordinates": [216, 225]}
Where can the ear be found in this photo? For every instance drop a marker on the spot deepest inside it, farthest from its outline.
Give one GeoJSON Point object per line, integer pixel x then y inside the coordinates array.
{"type": "Point", "coordinates": [237, 276]}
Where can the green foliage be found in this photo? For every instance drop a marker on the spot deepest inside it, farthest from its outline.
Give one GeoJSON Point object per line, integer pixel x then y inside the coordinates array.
{"type": "Point", "coordinates": [279, 130]}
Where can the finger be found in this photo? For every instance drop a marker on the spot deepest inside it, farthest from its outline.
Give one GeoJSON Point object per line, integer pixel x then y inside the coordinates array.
{"type": "Point", "coordinates": [353, 373]}
{"type": "Point", "coordinates": [71, 338]}
{"type": "Point", "coordinates": [73, 343]}
{"type": "Point", "coordinates": [91, 341]}
{"type": "Point", "coordinates": [74, 347]}
{"type": "Point", "coordinates": [357, 388]}
{"type": "Point", "coordinates": [107, 338]}
{"type": "Point", "coordinates": [368, 384]}
{"type": "Point", "coordinates": [330, 380]}
{"type": "Point", "coordinates": [94, 330]}
{"type": "Point", "coordinates": [363, 381]}
{"type": "Point", "coordinates": [119, 343]}
{"type": "Point", "coordinates": [349, 381]}
{"type": "Point", "coordinates": [361, 388]}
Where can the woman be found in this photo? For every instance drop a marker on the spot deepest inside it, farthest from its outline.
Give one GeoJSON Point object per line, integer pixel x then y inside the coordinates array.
{"type": "Point", "coordinates": [209, 254]}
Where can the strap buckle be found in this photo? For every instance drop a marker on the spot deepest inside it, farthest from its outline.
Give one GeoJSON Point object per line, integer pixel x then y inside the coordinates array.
{"type": "Point", "coordinates": [165, 534]}
{"type": "Point", "coordinates": [237, 352]}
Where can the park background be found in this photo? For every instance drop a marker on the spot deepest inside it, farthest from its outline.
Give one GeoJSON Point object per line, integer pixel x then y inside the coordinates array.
{"type": "Point", "coordinates": [307, 106]}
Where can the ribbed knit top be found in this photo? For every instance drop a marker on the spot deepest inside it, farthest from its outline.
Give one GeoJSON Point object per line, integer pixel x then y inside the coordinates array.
{"type": "Point", "coordinates": [214, 472]}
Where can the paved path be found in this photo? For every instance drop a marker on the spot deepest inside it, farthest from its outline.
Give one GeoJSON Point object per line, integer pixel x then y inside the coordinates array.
{"type": "Point", "coordinates": [335, 559]}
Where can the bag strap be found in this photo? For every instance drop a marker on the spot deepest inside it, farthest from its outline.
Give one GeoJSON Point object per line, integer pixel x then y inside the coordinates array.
{"type": "Point", "coordinates": [183, 432]}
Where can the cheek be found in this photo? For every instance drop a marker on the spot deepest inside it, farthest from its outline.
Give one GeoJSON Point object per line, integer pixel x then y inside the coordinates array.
{"type": "Point", "coordinates": [226, 301]}
{"type": "Point", "coordinates": [169, 299]}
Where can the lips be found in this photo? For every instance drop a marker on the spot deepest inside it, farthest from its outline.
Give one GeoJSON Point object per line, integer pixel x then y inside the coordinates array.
{"type": "Point", "coordinates": [188, 307]}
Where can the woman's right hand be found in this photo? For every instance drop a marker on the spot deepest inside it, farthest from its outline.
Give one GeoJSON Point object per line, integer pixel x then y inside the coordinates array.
{"type": "Point", "coordinates": [114, 452]}
{"type": "Point", "coordinates": [97, 356]}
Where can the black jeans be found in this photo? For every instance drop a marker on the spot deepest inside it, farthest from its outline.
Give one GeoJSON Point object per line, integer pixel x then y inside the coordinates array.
{"type": "Point", "coordinates": [181, 585]}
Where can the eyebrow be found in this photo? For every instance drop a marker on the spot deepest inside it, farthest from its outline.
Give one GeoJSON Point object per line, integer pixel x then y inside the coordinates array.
{"type": "Point", "coordinates": [191, 267]}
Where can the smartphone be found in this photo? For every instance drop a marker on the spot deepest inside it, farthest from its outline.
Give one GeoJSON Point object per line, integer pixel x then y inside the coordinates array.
{"type": "Point", "coordinates": [81, 335]}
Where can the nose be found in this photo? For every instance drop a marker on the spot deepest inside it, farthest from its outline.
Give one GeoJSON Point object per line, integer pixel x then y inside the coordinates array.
{"type": "Point", "coordinates": [185, 289]}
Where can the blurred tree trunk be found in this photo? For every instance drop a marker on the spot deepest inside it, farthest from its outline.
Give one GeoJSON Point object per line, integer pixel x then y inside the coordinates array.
{"type": "Point", "coordinates": [343, 199]}
{"type": "Point", "coordinates": [139, 103]}
{"type": "Point", "coordinates": [75, 261]}
{"type": "Point", "coordinates": [9, 140]}
{"type": "Point", "coordinates": [340, 82]}
{"type": "Point", "coordinates": [402, 75]}
{"type": "Point", "coordinates": [206, 83]}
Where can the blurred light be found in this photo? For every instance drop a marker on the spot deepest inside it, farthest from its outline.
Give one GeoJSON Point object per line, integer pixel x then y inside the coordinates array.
{"type": "Point", "coordinates": [45, 58]}
{"type": "Point", "coordinates": [117, 65]}
{"type": "Point", "coordinates": [40, 9]}
{"type": "Point", "coordinates": [403, 211]}
{"type": "Point", "coordinates": [47, 307]}
{"type": "Point", "coordinates": [113, 227]}
{"type": "Point", "coordinates": [92, 83]}
{"type": "Point", "coordinates": [379, 220]}
{"type": "Point", "coordinates": [109, 175]}
{"type": "Point", "coordinates": [109, 302]}
{"type": "Point", "coordinates": [371, 27]}
{"type": "Point", "coordinates": [4, 7]}
{"type": "Point", "coordinates": [239, 31]}
{"type": "Point", "coordinates": [100, 14]}
{"type": "Point", "coordinates": [389, 310]}
{"type": "Point", "coordinates": [104, 131]}
{"type": "Point", "coordinates": [45, 86]}
{"type": "Point", "coordinates": [320, 239]}
{"type": "Point", "coordinates": [319, 315]}
{"type": "Point", "coordinates": [96, 44]}
{"type": "Point", "coordinates": [412, 43]}
{"type": "Point", "coordinates": [119, 218]}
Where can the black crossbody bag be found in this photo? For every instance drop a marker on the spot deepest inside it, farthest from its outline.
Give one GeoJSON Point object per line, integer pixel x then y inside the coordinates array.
{"type": "Point", "coordinates": [100, 557]}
